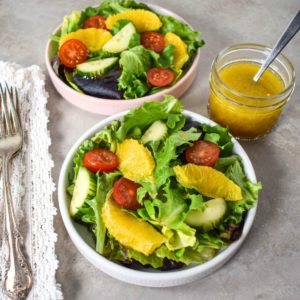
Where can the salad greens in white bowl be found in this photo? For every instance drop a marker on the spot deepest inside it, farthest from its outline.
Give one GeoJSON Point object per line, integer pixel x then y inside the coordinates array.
{"type": "Point", "coordinates": [158, 196]}
{"type": "Point", "coordinates": [107, 59]}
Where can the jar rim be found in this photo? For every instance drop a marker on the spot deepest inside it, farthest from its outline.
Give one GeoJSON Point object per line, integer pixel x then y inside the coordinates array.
{"type": "Point", "coordinates": [259, 47]}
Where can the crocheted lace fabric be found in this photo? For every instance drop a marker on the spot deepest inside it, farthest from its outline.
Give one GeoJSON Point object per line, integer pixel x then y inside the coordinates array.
{"type": "Point", "coordinates": [31, 182]}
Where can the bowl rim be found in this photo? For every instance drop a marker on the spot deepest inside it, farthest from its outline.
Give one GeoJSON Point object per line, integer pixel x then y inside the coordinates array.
{"type": "Point", "coordinates": [114, 101]}
{"type": "Point", "coordinates": [130, 275]}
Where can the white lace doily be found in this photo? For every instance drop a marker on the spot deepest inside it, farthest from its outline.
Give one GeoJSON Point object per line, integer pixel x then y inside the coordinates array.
{"type": "Point", "coordinates": [31, 182]}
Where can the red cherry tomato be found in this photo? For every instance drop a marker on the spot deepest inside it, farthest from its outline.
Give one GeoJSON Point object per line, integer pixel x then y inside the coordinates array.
{"type": "Point", "coordinates": [203, 153]}
{"type": "Point", "coordinates": [153, 41]}
{"type": "Point", "coordinates": [160, 76]}
{"type": "Point", "coordinates": [94, 22]}
{"type": "Point", "coordinates": [124, 193]}
{"type": "Point", "coordinates": [100, 160]}
{"type": "Point", "coordinates": [73, 52]}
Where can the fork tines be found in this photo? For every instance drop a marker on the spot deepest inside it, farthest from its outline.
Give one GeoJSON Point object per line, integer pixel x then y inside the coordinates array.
{"type": "Point", "coordinates": [9, 119]}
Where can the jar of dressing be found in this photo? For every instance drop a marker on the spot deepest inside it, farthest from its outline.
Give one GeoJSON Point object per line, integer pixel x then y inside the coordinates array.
{"type": "Point", "coordinates": [249, 109]}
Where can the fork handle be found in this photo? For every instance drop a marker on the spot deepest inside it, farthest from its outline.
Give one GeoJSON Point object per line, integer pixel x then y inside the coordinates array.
{"type": "Point", "coordinates": [17, 278]}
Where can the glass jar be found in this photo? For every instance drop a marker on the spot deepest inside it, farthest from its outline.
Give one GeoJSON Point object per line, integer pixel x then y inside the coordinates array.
{"type": "Point", "coordinates": [246, 115]}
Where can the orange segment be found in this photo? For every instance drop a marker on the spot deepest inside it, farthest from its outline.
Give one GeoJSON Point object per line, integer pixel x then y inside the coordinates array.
{"type": "Point", "coordinates": [207, 181]}
{"type": "Point", "coordinates": [135, 160]}
{"type": "Point", "coordinates": [180, 54]}
{"type": "Point", "coordinates": [93, 38]}
{"type": "Point", "coordinates": [142, 19]}
{"type": "Point", "coordinates": [128, 230]}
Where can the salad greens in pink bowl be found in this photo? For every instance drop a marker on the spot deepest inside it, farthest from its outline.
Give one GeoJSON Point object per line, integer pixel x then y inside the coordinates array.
{"type": "Point", "coordinates": [110, 52]}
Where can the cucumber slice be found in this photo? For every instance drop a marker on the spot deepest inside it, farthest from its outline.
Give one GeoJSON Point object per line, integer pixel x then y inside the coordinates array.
{"type": "Point", "coordinates": [120, 41]}
{"type": "Point", "coordinates": [157, 131]}
{"type": "Point", "coordinates": [208, 218]}
{"type": "Point", "coordinates": [85, 188]}
{"type": "Point", "coordinates": [95, 68]}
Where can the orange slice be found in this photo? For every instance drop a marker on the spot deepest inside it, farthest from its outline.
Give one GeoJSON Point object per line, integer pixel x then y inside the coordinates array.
{"type": "Point", "coordinates": [142, 19]}
{"type": "Point", "coordinates": [93, 38]}
{"type": "Point", "coordinates": [180, 54]}
{"type": "Point", "coordinates": [207, 181]}
{"type": "Point", "coordinates": [128, 230]}
{"type": "Point", "coordinates": [135, 160]}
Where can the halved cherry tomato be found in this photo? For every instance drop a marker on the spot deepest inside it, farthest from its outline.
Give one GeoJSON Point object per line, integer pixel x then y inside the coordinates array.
{"type": "Point", "coordinates": [203, 153]}
{"type": "Point", "coordinates": [100, 160]}
{"type": "Point", "coordinates": [94, 22]}
{"type": "Point", "coordinates": [153, 41]}
{"type": "Point", "coordinates": [124, 193]}
{"type": "Point", "coordinates": [73, 52]}
{"type": "Point", "coordinates": [160, 76]}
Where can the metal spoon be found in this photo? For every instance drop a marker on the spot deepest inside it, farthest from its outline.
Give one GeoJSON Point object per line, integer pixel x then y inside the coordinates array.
{"type": "Point", "coordinates": [288, 34]}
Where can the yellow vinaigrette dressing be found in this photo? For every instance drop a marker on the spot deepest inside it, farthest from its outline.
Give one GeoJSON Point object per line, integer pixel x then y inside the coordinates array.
{"type": "Point", "coordinates": [249, 109]}
{"type": "Point", "coordinates": [239, 77]}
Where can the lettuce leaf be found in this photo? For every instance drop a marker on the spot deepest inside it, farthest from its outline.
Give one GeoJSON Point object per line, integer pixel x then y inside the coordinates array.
{"type": "Point", "coordinates": [112, 7]}
{"type": "Point", "coordinates": [133, 4]}
{"type": "Point", "coordinates": [170, 110]}
{"type": "Point", "coordinates": [166, 58]}
{"type": "Point", "coordinates": [206, 247]}
{"type": "Point", "coordinates": [105, 9]}
{"type": "Point", "coordinates": [133, 86]}
{"type": "Point", "coordinates": [224, 162]}
{"type": "Point", "coordinates": [179, 238]}
{"type": "Point", "coordinates": [220, 136]}
{"type": "Point", "coordinates": [190, 37]}
{"type": "Point", "coordinates": [196, 200]}
{"type": "Point", "coordinates": [71, 23]}
{"type": "Point", "coordinates": [135, 63]}
{"type": "Point", "coordinates": [137, 60]}
{"type": "Point", "coordinates": [86, 213]}
{"type": "Point", "coordinates": [188, 255]}
{"type": "Point", "coordinates": [104, 185]}
{"type": "Point", "coordinates": [113, 250]}
{"type": "Point", "coordinates": [107, 138]}
{"type": "Point", "coordinates": [250, 190]}
{"type": "Point", "coordinates": [169, 212]}
{"type": "Point", "coordinates": [170, 152]}
{"type": "Point", "coordinates": [153, 260]}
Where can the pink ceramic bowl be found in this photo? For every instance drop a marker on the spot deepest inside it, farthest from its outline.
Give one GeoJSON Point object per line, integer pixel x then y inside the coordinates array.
{"type": "Point", "coordinates": [107, 106]}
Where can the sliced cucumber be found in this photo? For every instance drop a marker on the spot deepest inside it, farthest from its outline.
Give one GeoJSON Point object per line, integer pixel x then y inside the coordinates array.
{"type": "Point", "coordinates": [120, 41]}
{"type": "Point", "coordinates": [157, 131]}
{"type": "Point", "coordinates": [208, 218]}
{"type": "Point", "coordinates": [95, 68]}
{"type": "Point", "coordinates": [85, 188]}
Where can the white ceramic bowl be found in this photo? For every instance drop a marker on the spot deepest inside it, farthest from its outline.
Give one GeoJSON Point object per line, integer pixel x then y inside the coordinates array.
{"type": "Point", "coordinates": [85, 244]}
{"type": "Point", "coordinates": [107, 106]}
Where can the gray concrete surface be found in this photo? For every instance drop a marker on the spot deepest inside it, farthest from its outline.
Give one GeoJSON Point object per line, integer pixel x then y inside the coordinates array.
{"type": "Point", "coordinates": [268, 264]}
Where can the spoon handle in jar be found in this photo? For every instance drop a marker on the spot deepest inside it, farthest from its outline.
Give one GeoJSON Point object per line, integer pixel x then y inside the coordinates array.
{"type": "Point", "coordinates": [288, 34]}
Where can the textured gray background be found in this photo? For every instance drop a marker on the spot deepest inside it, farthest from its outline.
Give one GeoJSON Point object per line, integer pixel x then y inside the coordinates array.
{"type": "Point", "coordinates": [268, 264]}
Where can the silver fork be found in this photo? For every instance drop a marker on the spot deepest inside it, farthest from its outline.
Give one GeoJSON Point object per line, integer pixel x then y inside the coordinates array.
{"type": "Point", "coordinates": [17, 278]}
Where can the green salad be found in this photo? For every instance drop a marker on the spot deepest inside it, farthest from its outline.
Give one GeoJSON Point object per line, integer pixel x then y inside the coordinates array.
{"type": "Point", "coordinates": [122, 49]}
{"type": "Point", "coordinates": [158, 189]}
